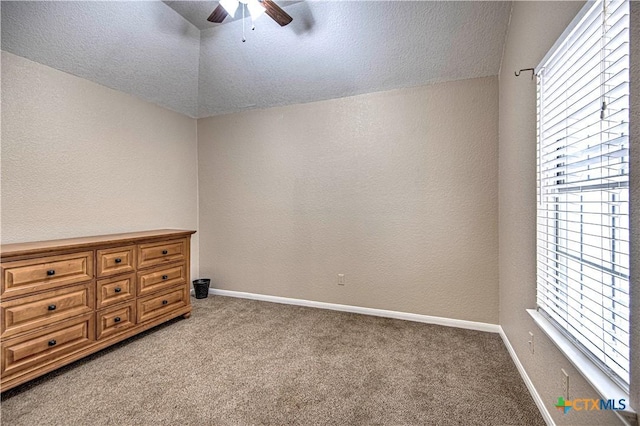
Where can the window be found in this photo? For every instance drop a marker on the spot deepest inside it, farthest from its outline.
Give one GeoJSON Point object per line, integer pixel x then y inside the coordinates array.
{"type": "Point", "coordinates": [583, 185]}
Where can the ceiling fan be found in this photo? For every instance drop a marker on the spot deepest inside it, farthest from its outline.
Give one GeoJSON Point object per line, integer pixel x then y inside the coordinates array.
{"type": "Point", "coordinates": [255, 7]}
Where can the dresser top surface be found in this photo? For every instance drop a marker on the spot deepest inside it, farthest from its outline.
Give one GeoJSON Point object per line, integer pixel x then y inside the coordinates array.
{"type": "Point", "coordinates": [43, 247]}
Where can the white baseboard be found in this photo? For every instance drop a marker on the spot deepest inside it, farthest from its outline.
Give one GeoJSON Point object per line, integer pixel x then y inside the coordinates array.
{"type": "Point", "coordinates": [472, 325]}
{"type": "Point", "coordinates": [527, 381]}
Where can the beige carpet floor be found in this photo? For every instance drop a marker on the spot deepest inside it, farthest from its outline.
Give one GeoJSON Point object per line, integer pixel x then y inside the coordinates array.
{"type": "Point", "coordinates": [241, 362]}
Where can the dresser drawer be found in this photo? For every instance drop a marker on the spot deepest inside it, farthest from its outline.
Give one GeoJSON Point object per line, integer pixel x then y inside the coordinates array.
{"type": "Point", "coordinates": [48, 345]}
{"type": "Point", "coordinates": [28, 313]}
{"type": "Point", "coordinates": [155, 254]}
{"type": "Point", "coordinates": [116, 261]}
{"type": "Point", "coordinates": [115, 320]}
{"type": "Point", "coordinates": [45, 273]}
{"type": "Point", "coordinates": [154, 306]}
{"type": "Point", "coordinates": [158, 279]}
{"type": "Point", "coordinates": [115, 290]}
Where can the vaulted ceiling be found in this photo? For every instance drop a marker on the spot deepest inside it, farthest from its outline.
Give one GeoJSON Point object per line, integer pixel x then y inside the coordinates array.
{"type": "Point", "coordinates": [166, 52]}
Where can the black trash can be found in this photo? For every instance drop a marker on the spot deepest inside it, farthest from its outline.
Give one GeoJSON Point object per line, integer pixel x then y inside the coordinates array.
{"type": "Point", "coordinates": [201, 288]}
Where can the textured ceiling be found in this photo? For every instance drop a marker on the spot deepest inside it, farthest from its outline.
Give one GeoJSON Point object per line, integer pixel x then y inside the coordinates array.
{"type": "Point", "coordinates": [337, 49]}
{"type": "Point", "coordinates": [195, 12]}
{"type": "Point", "coordinates": [331, 49]}
{"type": "Point", "coordinates": [142, 47]}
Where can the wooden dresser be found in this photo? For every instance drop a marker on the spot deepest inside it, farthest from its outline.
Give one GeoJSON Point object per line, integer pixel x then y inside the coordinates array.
{"type": "Point", "coordinates": [62, 300]}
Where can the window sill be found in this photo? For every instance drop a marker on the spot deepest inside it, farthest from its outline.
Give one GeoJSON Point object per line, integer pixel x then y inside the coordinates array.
{"type": "Point", "coordinates": [606, 388]}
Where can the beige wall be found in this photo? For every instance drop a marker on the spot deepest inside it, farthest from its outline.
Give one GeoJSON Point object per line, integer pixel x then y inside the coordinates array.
{"type": "Point", "coordinates": [397, 190]}
{"type": "Point", "coordinates": [81, 159]}
{"type": "Point", "coordinates": [534, 28]}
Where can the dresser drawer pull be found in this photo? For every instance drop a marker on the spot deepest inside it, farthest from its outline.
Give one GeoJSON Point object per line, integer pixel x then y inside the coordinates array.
{"type": "Point", "coordinates": [51, 307]}
{"type": "Point", "coordinates": [52, 342]}
{"type": "Point", "coordinates": [51, 272]}
{"type": "Point", "coordinates": [116, 319]}
{"type": "Point", "coordinates": [118, 260]}
{"type": "Point", "coordinates": [164, 302]}
{"type": "Point", "coordinates": [117, 289]}
{"type": "Point", "coordinates": [165, 252]}
{"type": "Point", "coordinates": [165, 277]}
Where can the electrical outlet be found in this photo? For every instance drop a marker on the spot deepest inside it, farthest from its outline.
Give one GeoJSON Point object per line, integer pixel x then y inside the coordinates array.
{"type": "Point", "coordinates": [565, 384]}
{"type": "Point", "coordinates": [340, 279]}
{"type": "Point", "coordinates": [531, 343]}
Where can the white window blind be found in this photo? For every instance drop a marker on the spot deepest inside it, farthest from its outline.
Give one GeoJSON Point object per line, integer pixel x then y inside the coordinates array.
{"type": "Point", "coordinates": [583, 185]}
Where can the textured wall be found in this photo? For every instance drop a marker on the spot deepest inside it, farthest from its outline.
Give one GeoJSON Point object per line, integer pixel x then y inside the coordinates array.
{"type": "Point", "coordinates": [81, 159]}
{"type": "Point", "coordinates": [397, 190]}
{"type": "Point", "coordinates": [139, 47]}
{"type": "Point", "coordinates": [534, 28]}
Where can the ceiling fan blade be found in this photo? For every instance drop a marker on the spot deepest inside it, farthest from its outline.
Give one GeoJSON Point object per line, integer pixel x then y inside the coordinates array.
{"type": "Point", "coordinates": [276, 13]}
{"type": "Point", "coordinates": [218, 14]}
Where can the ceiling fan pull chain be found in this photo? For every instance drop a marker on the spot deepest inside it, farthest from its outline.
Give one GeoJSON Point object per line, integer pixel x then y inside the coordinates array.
{"type": "Point", "coordinates": [243, 37]}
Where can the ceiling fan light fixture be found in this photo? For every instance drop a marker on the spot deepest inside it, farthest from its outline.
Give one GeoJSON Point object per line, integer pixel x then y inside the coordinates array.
{"type": "Point", "coordinates": [256, 9]}
{"type": "Point", "coordinates": [230, 6]}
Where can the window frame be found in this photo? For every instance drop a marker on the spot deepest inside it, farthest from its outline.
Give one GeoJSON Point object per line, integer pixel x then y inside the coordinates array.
{"type": "Point", "coordinates": [590, 368]}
